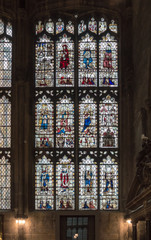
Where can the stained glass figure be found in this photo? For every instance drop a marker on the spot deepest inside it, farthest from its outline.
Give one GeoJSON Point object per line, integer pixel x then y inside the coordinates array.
{"type": "Point", "coordinates": [70, 27]}
{"type": "Point", "coordinates": [87, 66]}
{"type": "Point", "coordinates": [44, 62]}
{"type": "Point", "coordinates": [81, 27]}
{"type": "Point", "coordinates": [59, 26]}
{"type": "Point", "coordinates": [108, 122]}
{"type": "Point", "coordinates": [88, 194]}
{"type": "Point", "coordinates": [5, 122]}
{"type": "Point", "coordinates": [87, 123]}
{"type": "Point", "coordinates": [39, 27]}
{"type": "Point", "coordinates": [65, 196]}
{"type": "Point", "coordinates": [9, 29]}
{"type": "Point", "coordinates": [44, 123]}
{"type": "Point", "coordinates": [50, 26]}
{"type": "Point", "coordinates": [113, 26]}
{"type": "Point", "coordinates": [44, 184]}
{"type": "Point", "coordinates": [5, 62]}
{"type": "Point", "coordinates": [65, 123]}
{"type": "Point", "coordinates": [108, 184]}
{"type": "Point", "coordinates": [108, 61]}
{"type": "Point", "coordinates": [102, 26]}
{"type": "Point", "coordinates": [92, 25]}
{"type": "Point", "coordinates": [1, 27]}
{"type": "Point", "coordinates": [64, 62]}
{"type": "Point", "coordinates": [5, 182]}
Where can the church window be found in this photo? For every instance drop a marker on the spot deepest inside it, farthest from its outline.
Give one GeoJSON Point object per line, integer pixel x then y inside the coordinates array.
{"type": "Point", "coordinates": [76, 113]}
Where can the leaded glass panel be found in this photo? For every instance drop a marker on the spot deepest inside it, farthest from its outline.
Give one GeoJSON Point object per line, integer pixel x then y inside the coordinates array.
{"type": "Point", "coordinates": [50, 26]}
{"type": "Point", "coordinates": [44, 122]}
{"type": "Point", "coordinates": [108, 61]}
{"type": "Point", "coordinates": [65, 196]}
{"type": "Point", "coordinates": [102, 26]}
{"type": "Point", "coordinates": [108, 120]}
{"type": "Point", "coordinates": [1, 27]}
{"type": "Point", "coordinates": [59, 26]}
{"type": "Point", "coordinates": [70, 27]}
{"type": "Point", "coordinates": [39, 27]}
{"type": "Point", "coordinates": [64, 62]}
{"type": "Point", "coordinates": [87, 61]}
{"type": "Point", "coordinates": [88, 184]}
{"type": "Point", "coordinates": [44, 184]}
{"type": "Point", "coordinates": [5, 122]}
{"type": "Point", "coordinates": [44, 62]}
{"type": "Point", "coordinates": [108, 184]}
{"type": "Point", "coordinates": [81, 27]}
{"type": "Point", "coordinates": [5, 62]}
{"type": "Point", "coordinates": [65, 123]}
{"type": "Point", "coordinates": [5, 181]}
{"type": "Point", "coordinates": [87, 122]}
{"type": "Point", "coordinates": [113, 26]}
{"type": "Point", "coordinates": [92, 25]}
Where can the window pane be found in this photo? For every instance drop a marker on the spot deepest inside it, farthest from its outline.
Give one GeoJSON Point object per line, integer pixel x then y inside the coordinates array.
{"type": "Point", "coordinates": [88, 192]}
{"type": "Point", "coordinates": [5, 182]}
{"type": "Point", "coordinates": [44, 123]}
{"type": "Point", "coordinates": [5, 62]}
{"type": "Point", "coordinates": [5, 122]}
{"type": "Point", "coordinates": [64, 61]}
{"type": "Point", "coordinates": [44, 62]}
{"type": "Point", "coordinates": [65, 123]}
{"type": "Point", "coordinates": [108, 184]}
{"type": "Point", "coordinates": [44, 184]}
{"type": "Point", "coordinates": [87, 61]}
{"type": "Point", "coordinates": [108, 62]}
{"type": "Point", "coordinates": [65, 198]}
{"type": "Point", "coordinates": [87, 122]}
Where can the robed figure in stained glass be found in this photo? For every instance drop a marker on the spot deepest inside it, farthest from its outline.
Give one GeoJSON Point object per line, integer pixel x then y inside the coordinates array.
{"type": "Point", "coordinates": [107, 62]}
{"type": "Point", "coordinates": [88, 180]}
{"type": "Point", "coordinates": [44, 180]}
{"type": "Point", "coordinates": [64, 178]}
{"type": "Point", "coordinates": [87, 59]}
{"type": "Point", "coordinates": [64, 60]}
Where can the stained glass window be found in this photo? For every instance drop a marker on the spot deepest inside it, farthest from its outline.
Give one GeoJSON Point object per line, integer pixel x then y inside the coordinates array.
{"type": "Point", "coordinates": [88, 184]}
{"type": "Point", "coordinates": [5, 113]}
{"type": "Point", "coordinates": [77, 112]}
{"type": "Point", "coordinates": [65, 196]}
{"type": "Point", "coordinates": [44, 184]}
{"type": "Point", "coordinates": [108, 184]}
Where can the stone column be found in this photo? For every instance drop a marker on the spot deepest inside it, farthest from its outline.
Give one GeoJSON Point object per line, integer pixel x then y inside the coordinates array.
{"type": "Point", "coordinates": [134, 231]}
